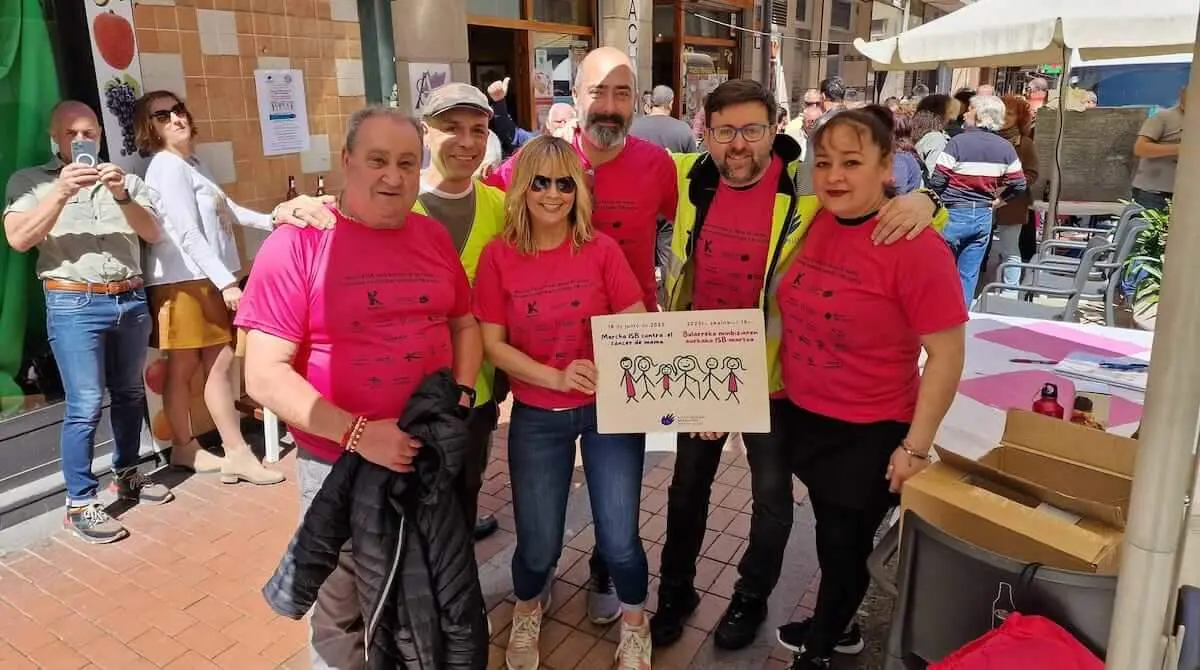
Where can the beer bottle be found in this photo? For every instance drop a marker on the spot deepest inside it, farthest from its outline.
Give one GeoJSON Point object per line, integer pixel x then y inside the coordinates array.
{"type": "Point", "coordinates": [320, 185]}
{"type": "Point", "coordinates": [291, 192]}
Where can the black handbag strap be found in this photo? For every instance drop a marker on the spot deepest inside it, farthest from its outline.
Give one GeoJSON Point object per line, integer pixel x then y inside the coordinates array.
{"type": "Point", "coordinates": [1023, 589]}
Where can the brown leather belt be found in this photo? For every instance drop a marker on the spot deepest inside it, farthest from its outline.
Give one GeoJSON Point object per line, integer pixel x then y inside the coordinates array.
{"type": "Point", "coordinates": [106, 288]}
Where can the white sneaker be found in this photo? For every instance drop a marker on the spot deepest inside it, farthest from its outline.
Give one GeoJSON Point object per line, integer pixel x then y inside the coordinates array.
{"type": "Point", "coordinates": [634, 651]}
{"type": "Point", "coordinates": [522, 652]}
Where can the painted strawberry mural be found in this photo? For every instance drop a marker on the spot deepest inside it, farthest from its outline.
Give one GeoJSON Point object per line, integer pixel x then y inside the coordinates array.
{"type": "Point", "coordinates": [114, 39]}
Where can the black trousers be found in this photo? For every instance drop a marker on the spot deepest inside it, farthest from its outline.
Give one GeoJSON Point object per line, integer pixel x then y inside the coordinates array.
{"type": "Point", "coordinates": [843, 465]}
{"type": "Point", "coordinates": [696, 464]}
{"type": "Point", "coordinates": [481, 423]}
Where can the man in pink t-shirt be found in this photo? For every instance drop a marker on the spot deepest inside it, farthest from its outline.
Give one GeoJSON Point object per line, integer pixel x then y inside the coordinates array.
{"type": "Point", "coordinates": [345, 324]}
{"type": "Point", "coordinates": [633, 181]}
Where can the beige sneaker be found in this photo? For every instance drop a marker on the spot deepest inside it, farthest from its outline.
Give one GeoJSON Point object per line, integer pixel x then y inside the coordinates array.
{"type": "Point", "coordinates": [522, 652]}
{"type": "Point", "coordinates": [634, 651]}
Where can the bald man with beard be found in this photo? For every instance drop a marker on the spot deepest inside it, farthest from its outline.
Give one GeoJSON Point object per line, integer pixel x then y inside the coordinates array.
{"type": "Point", "coordinates": [88, 220]}
{"type": "Point", "coordinates": [633, 180]}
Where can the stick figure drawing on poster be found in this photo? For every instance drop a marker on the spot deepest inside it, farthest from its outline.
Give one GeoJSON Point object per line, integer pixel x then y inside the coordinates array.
{"type": "Point", "coordinates": [627, 379]}
{"type": "Point", "coordinates": [665, 371]}
{"type": "Point", "coordinates": [710, 376]}
{"type": "Point", "coordinates": [732, 364]}
{"type": "Point", "coordinates": [643, 365]}
{"type": "Point", "coordinates": [686, 365]}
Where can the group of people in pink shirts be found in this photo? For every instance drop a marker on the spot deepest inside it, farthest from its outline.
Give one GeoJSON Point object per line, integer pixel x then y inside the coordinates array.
{"type": "Point", "coordinates": [345, 322]}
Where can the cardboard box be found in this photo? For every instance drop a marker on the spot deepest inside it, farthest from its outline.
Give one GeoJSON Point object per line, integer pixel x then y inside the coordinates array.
{"type": "Point", "coordinates": [1051, 492]}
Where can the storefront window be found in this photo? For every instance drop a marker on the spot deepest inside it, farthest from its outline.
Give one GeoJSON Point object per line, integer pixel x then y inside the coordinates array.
{"type": "Point", "coordinates": [700, 23]}
{"type": "Point", "coordinates": [703, 69]}
{"type": "Point", "coordinates": [573, 12]}
{"type": "Point", "coordinates": [505, 9]}
{"type": "Point", "coordinates": [664, 21]}
{"type": "Point", "coordinates": [556, 59]}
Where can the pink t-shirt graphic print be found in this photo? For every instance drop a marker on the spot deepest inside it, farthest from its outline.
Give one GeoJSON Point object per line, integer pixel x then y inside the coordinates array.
{"type": "Point", "coordinates": [629, 193]}
{"type": "Point", "coordinates": [546, 302]}
{"type": "Point", "coordinates": [368, 308]}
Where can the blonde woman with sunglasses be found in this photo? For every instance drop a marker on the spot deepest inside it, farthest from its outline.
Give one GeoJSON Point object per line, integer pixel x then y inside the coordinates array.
{"type": "Point", "coordinates": [537, 288]}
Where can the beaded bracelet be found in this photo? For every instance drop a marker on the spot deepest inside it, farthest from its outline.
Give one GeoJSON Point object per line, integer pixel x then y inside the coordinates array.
{"type": "Point", "coordinates": [924, 456]}
{"type": "Point", "coordinates": [354, 434]}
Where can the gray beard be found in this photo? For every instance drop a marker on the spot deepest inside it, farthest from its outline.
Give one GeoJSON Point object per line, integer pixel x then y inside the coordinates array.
{"type": "Point", "coordinates": [606, 138]}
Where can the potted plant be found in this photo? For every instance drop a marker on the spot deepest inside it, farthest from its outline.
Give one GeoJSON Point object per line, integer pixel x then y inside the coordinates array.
{"type": "Point", "coordinates": [1145, 265]}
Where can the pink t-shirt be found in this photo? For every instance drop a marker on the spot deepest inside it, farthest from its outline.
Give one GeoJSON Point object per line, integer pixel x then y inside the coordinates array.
{"type": "Point", "coordinates": [546, 302]}
{"type": "Point", "coordinates": [731, 252]}
{"type": "Point", "coordinates": [368, 308]}
{"type": "Point", "coordinates": [853, 317]}
{"type": "Point", "coordinates": [630, 192]}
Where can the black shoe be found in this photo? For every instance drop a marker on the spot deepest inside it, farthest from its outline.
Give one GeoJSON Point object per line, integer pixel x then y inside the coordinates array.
{"type": "Point", "coordinates": [674, 608]}
{"type": "Point", "coordinates": [133, 486]}
{"type": "Point", "coordinates": [806, 662]}
{"type": "Point", "coordinates": [740, 623]}
{"type": "Point", "coordinates": [792, 636]}
{"type": "Point", "coordinates": [485, 526]}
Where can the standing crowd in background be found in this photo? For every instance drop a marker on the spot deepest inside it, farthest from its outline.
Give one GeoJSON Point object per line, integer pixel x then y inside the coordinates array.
{"type": "Point", "coordinates": [460, 268]}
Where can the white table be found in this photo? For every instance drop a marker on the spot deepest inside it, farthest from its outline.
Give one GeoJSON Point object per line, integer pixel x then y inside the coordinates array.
{"type": "Point", "coordinates": [973, 427]}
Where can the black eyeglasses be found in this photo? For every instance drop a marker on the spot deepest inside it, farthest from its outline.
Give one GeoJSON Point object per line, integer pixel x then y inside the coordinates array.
{"type": "Point", "coordinates": [812, 104]}
{"type": "Point", "coordinates": [752, 133]}
{"type": "Point", "coordinates": [164, 115]}
{"type": "Point", "coordinates": [565, 185]}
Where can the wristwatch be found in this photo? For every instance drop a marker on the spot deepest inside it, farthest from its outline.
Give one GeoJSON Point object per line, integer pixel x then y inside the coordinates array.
{"type": "Point", "coordinates": [123, 201]}
{"type": "Point", "coordinates": [469, 393]}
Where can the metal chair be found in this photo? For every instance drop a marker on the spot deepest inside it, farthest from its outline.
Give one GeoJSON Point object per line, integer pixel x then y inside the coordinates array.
{"type": "Point", "coordinates": [1070, 283]}
{"type": "Point", "coordinates": [945, 589]}
{"type": "Point", "coordinates": [1114, 233]}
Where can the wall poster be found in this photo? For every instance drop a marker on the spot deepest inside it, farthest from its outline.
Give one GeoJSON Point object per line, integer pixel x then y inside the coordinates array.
{"type": "Point", "coordinates": [423, 78]}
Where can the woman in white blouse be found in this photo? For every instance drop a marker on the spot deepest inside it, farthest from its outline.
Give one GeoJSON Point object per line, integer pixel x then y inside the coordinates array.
{"type": "Point", "coordinates": [192, 286]}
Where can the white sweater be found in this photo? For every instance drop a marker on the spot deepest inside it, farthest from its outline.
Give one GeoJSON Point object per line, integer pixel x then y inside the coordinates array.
{"type": "Point", "coordinates": [198, 218]}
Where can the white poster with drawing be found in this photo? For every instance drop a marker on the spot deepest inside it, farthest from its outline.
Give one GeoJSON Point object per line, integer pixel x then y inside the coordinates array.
{"type": "Point", "coordinates": [682, 371]}
{"type": "Point", "coordinates": [422, 79]}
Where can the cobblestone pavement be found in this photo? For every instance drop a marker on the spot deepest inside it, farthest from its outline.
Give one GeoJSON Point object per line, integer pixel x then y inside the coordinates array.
{"type": "Point", "coordinates": [183, 590]}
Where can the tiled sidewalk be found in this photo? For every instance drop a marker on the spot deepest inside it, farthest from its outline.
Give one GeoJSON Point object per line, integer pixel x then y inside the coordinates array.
{"type": "Point", "coordinates": [183, 590]}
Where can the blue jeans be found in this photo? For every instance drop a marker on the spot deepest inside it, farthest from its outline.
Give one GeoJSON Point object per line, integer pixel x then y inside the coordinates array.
{"type": "Point", "coordinates": [541, 460]}
{"type": "Point", "coordinates": [967, 232]}
{"type": "Point", "coordinates": [99, 342]}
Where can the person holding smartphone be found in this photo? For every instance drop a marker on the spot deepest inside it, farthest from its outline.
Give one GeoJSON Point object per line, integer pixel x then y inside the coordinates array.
{"type": "Point", "coordinates": [193, 284]}
{"type": "Point", "coordinates": [87, 220]}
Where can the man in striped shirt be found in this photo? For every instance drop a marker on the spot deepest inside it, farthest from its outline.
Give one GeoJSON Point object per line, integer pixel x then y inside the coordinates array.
{"type": "Point", "coordinates": [977, 172]}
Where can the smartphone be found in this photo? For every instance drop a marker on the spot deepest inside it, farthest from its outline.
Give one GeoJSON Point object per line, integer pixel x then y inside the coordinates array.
{"type": "Point", "coordinates": [85, 152]}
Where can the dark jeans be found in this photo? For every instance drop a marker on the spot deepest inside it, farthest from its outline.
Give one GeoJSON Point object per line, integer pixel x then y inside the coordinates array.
{"type": "Point", "coordinates": [696, 463]}
{"type": "Point", "coordinates": [1029, 242]}
{"type": "Point", "coordinates": [541, 461]}
{"type": "Point", "coordinates": [1157, 200]}
{"type": "Point", "coordinates": [100, 343]}
{"type": "Point", "coordinates": [843, 465]}
{"type": "Point", "coordinates": [845, 539]}
{"type": "Point", "coordinates": [480, 426]}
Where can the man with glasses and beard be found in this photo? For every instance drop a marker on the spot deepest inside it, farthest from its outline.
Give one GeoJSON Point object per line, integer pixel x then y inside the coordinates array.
{"type": "Point", "coordinates": [740, 217]}
{"type": "Point", "coordinates": [633, 183]}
